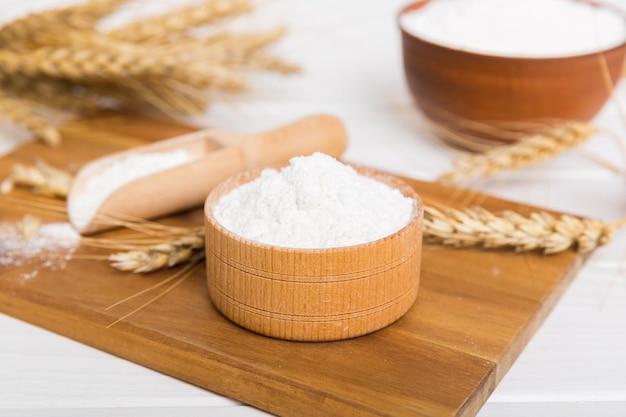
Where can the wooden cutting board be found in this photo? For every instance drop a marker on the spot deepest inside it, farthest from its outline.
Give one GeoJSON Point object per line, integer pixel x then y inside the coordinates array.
{"type": "Point", "coordinates": [475, 312]}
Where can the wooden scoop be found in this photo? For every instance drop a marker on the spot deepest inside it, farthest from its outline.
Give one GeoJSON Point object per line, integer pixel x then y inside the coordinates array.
{"type": "Point", "coordinates": [216, 155]}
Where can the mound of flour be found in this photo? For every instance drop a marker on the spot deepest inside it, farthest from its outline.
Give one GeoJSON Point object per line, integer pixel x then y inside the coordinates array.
{"type": "Point", "coordinates": [315, 202]}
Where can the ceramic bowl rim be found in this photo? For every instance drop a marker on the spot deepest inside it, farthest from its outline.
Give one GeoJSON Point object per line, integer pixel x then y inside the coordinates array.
{"type": "Point", "coordinates": [510, 58]}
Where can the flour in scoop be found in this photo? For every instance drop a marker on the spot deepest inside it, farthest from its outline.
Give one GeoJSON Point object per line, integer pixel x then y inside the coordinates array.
{"type": "Point", "coordinates": [315, 202]}
{"type": "Point", "coordinates": [527, 28]}
{"type": "Point", "coordinates": [98, 188]}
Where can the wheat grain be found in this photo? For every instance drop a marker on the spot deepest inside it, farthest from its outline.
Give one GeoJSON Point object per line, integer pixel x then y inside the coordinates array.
{"type": "Point", "coordinates": [530, 150]}
{"type": "Point", "coordinates": [43, 178]}
{"type": "Point", "coordinates": [539, 231]}
{"type": "Point", "coordinates": [167, 254]}
{"type": "Point", "coordinates": [28, 226]}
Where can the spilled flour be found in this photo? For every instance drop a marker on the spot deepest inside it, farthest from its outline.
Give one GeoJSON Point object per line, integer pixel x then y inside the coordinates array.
{"type": "Point", "coordinates": [50, 246]}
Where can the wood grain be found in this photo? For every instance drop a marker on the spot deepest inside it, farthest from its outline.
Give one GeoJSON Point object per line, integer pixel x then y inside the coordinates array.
{"type": "Point", "coordinates": [475, 312]}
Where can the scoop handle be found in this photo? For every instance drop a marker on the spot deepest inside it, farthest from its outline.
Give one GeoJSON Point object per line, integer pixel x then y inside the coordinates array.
{"type": "Point", "coordinates": [318, 133]}
{"type": "Point", "coordinates": [323, 133]}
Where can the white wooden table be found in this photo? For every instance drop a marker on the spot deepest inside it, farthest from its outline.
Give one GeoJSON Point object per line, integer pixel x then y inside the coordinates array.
{"type": "Point", "coordinates": [350, 53]}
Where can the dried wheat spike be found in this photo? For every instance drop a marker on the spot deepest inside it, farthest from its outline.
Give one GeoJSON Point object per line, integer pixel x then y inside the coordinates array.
{"type": "Point", "coordinates": [23, 114]}
{"type": "Point", "coordinates": [83, 64]}
{"type": "Point", "coordinates": [540, 231]}
{"type": "Point", "coordinates": [23, 33]}
{"type": "Point", "coordinates": [530, 150]}
{"type": "Point", "coordinates": [44, 179]}
{"type": "Point", "coordinates": [160, 28]}
{"type": "Point", "coordinates": [242, 51]}
{"type": "Point", "coordinates": [56, 63]}
{"type": "Point", "coordinates": [269, 63]}
{"type": "Point", "coordinates": [83, 39]}
{"type": "Point", "coordinates": [56, 94]}
{"type": "Point", "coordinates": [164, 255]}
{"type": "Point", "coordinates": [223, 44]}
{"type": "Point", "coordinates": [86, 65]}
{"type": "Point", "coordinates": [151, 96]}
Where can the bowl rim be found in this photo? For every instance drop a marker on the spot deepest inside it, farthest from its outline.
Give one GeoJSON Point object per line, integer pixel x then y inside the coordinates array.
{"type": "Point", "coordinates": [416, 4]}
{"type": "Point", "coordinates": [398, 183]}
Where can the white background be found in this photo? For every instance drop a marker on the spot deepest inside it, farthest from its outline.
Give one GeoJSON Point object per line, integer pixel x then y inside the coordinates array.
{"type": "Point", "coordinates": [350, 54]}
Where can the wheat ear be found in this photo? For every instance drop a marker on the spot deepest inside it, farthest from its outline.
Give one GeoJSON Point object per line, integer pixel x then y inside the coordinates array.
{"type": "Point", "coordinates": [43, 178]}
{"type": "Point", "coordinates": [539, 231]}
{"type": "Point", "coordinates": [472, 227]}
{"type": "Point", "coordinates": [22, 34]}
{"type": "Point", "coordinates": [530, 150]}
{"type": "Point", "coordinates": [55, 94]}
{"type": "Point", "coordinates": [167, 254]}
{"type": "Point", "coordinates": [22, 113]}
{"type": "Point", "coordinates": [160, 28]}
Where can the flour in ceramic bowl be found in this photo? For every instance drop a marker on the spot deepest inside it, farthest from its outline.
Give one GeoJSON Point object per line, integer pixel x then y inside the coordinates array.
{"type": "Point", "coordinates": [527, 28]}
{"type": "Point", "coordinates": [82, 208]}
{"type": "Point", "coordinates": [315, 202]}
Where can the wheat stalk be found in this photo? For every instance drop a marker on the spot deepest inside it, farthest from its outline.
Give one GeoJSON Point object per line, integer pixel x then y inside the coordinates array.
{"type": "Point", "coordinates": [43, 178]}
{"type": "Point", "coordinates": [530, 150]}
{"type": "Point", "coordinates": [539, 231]}
{"type": "Point", "coordinates": [167, 254]}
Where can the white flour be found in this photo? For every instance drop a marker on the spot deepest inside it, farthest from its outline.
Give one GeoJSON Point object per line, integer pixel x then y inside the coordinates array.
{"type": "Point", "coordinates": [315, 202]}
{"type": "Point", "coordinates": [98, 188]}
{"type": "Point", "coordinates": [52, 245]}
{"type": "Point", "coordinates": [531, 28]}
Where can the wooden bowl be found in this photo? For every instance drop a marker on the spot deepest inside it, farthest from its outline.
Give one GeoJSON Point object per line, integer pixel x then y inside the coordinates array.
{"type": "Point", "coordinates": [477, 101]}
{"type": "Point", "coordinates": [313, 294]}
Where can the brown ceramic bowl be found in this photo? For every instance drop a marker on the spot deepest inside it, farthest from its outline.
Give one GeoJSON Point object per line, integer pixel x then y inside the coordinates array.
{"type": "Point", "coordinates": [477, 101]}
{"type": "Point", "coordinates": [313, 294]}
